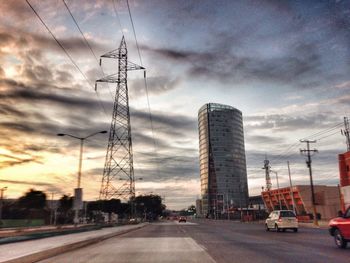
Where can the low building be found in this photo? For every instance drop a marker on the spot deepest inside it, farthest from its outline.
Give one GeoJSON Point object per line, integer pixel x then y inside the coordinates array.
{"type": "Point", "coordinates": [327, 200]}
{"type": "Point", "coordinates": [256, 202]}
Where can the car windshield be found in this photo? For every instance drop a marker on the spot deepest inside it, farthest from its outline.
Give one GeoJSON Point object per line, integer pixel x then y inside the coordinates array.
{"type": "Point", "coordinates": [287, 214]}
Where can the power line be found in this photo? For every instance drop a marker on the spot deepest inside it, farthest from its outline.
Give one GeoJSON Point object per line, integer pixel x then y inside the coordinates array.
{"type": "Point", "coordinates": [58, 43]}
{"type": "Point", "coordinates": [337, 132]}
{"type": "Point", "coordinates": [66, 52]}
{"type": "Point", "coordinates": [76, 23]}
{"type": "Point", "coordinates": [314, 135]}
{"type": "Point", "coordinates": [145, 82]}
{"type": "Point", "coordinates": [117, 16]}
{"type": "Point", "coordinates": [133, 29]}
{"type": "Point", "coordinates": [86, 42]}
{"type": "Point", "coordinates": [324, 131]}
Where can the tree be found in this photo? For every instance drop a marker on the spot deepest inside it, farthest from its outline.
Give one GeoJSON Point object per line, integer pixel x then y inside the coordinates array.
{"type": "Point", "coordinates": [65, 209]}
{"type": "Point", "coordinates": [106, 206]}
{"type": "Point", "coordinates": [33, 200]}
{"type": "Point", "coordinates": [149, 206]}
{"type": "Point", "coordinates": [66, 203]}
{"type": "Point", "coordinates": [32, 205]}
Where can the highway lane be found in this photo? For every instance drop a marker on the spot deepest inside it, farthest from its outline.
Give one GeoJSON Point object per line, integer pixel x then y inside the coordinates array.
{"type": "Point", "coordinates": [249, 242]}
{"type": "Point", "coordinates": [211, 241]}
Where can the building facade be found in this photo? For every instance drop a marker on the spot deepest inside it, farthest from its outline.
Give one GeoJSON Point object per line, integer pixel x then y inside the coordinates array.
{"type": "Point", "coordinates": [344, 173]}
{"type": "Point", "coordinates": [223, 170]}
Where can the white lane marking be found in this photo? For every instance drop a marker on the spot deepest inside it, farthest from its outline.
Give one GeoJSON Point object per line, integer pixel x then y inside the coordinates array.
{"type": "Point", "coordinates": [173, 223]}
{"type": "Point", "coordinates": [161, 249]}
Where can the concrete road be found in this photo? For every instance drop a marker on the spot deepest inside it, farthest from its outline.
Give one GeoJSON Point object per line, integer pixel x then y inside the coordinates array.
{"type": "Point", "coordinates": [212, 241]}
{"type": "Point", "coordinates": [160, 242]}
{"type": "Point", "coordinates": [249, 242]}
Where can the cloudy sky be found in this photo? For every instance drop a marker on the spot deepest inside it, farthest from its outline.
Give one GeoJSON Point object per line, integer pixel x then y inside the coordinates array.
{"type": "Point", "coordinates": [284, 64]}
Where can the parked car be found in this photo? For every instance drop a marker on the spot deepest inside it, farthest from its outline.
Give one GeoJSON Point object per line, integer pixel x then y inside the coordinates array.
{"type": "Point", "coordinates": [182, 219]}
{"type": "Point", "coordinates": [339, 227]}
{"type": "Point", "coordinates": [282, 220]}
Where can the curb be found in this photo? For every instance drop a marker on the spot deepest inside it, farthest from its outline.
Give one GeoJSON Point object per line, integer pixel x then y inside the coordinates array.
{"type": "Point", "coordinates": [66, 248]}
{"type": "Point", "coordinates": [44, 234]}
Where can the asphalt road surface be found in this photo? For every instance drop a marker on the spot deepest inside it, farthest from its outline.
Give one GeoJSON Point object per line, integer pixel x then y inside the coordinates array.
{"type": "Point", "coordinates": [211, 241]}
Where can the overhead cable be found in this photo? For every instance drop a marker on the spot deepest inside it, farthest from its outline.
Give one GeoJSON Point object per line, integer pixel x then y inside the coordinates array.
{"type": "Point", "coordinates": [86, 42]}
{"type": "Point", "coordinates": [145, 83]}
{"type": "Point", "coordinates": [117, 16]}
{"type": "Point", "coordinates": [65, 51]}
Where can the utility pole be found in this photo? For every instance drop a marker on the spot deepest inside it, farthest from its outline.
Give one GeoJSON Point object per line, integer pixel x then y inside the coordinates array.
{"type": "Point", "coordinates": [291, 190]}
{"type": "Point", "coordinates": [2, 190]}
{"type": "Point", "coordinates": [268, 179]}
{"type": "Point", "coordinates": [267, 173]}
{"type": "Point", "coordinates": [345, 132]}
{"type": "Point", "coordinates": [227, 207]}
{"type": "Point", "coordinates": [278, 190]}
{"type": "Point", "coordinates": [240, 200]}
{"type": "Point", "coordinates": [308, 164]}
{"type": "Point", "coordinates": [52, 209]}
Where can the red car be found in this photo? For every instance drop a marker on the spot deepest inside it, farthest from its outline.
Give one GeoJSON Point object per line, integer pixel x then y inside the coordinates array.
{"type": "Point", "coordinates": [339, 227]}
{"type": "Point", "coordinates": [182, 219]}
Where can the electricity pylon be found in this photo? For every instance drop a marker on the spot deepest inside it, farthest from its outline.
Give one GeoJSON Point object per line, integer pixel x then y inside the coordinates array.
{"type": "Point", "coordinates": [118, 174]}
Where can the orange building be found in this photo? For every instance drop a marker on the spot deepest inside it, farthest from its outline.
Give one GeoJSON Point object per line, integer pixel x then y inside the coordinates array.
{"type": "Point", "coordinates": [326, 197]}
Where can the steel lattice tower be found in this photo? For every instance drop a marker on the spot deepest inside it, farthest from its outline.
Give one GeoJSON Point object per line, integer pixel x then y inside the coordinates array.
{"type": "Point", "coordinates": [118, 173]}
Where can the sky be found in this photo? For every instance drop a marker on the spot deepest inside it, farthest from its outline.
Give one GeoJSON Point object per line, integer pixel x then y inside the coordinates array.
{"type": "Point", "coordinates": [284, 64]}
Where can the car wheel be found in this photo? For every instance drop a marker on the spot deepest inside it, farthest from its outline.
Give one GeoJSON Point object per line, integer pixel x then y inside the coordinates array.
{"type": "Point", "coordinates": [267, 228]}
{"type": "Point", "coordinates": [339, 240]}
{"type": "Point", "coordinates": [295, 230]}
{"type": "Point", "coordinates": [277, 228]}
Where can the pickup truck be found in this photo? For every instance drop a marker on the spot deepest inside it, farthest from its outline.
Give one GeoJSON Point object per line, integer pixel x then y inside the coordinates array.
{"type": "Point", "coordinates": [339, 228]}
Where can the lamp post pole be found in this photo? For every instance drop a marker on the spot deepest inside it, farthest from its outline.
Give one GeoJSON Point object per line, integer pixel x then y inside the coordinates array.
{"type": "Point", "coordinates": [78, 192]}
{"type": "Point", "coordinates": [2, 190]}
{"type": "Point", "coordinates": [278, 190]}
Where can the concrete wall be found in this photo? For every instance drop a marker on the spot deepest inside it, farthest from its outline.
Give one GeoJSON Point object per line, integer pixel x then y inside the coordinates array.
{"type": "Point", "coordinates": [327, 200]}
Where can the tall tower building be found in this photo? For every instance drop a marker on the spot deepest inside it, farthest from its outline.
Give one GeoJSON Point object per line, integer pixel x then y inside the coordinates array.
{"type": "Point", "coordinates": [223, 168]}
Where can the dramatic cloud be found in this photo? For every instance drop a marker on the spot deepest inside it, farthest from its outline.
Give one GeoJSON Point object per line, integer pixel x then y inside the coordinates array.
{"type": "Point", "coordinates": [280, 122]}
{"type": "Point", "coordinates": [299, 65]}
{"type": "Point", "coordinates": [13, 161]}
{"type": "Point", "coordinates": [155, 85]}
{"type": "Point", "coordinates": [168, 123]}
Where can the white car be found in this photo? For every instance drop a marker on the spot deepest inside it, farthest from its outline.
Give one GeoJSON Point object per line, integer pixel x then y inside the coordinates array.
{"type": "Point", "coordinates": [282, 220]}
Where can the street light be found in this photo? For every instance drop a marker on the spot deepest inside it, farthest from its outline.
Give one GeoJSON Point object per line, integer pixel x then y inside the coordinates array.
{"type": "Point", "coordinates": [2, 190]}
{"type": "Point", "coordinates": [78, 190]}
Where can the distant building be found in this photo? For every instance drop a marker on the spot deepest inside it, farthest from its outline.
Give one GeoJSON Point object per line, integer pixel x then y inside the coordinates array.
{"type": "Point", "coordinates": [326, 198]}
{"type": "Point", "coordinates": [344, 172]}
{"type": "Point", "coordinates": [199, 207]}
{"type": "Point", "coordinates": [256, 202]}
{"type": "Point", "coordinates": [223, 169]}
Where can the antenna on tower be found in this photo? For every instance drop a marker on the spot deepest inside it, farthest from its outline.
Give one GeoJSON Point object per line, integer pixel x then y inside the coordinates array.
{"type": "Point", "coordinates": [345, 132]}
{"type": "Point", "coordinates": [118, 173]}
{"type": "Point", "coordinates": [267, 173]}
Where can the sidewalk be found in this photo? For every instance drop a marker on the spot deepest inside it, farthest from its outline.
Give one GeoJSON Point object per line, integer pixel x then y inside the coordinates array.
{"type": "Point", "coordinates": [321, 224]}
{"type": "Point", "coordinates": [34, 250]}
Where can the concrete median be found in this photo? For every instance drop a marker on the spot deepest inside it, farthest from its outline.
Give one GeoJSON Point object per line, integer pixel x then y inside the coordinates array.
{"type": "Point", "coordinates": [35, 250]}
